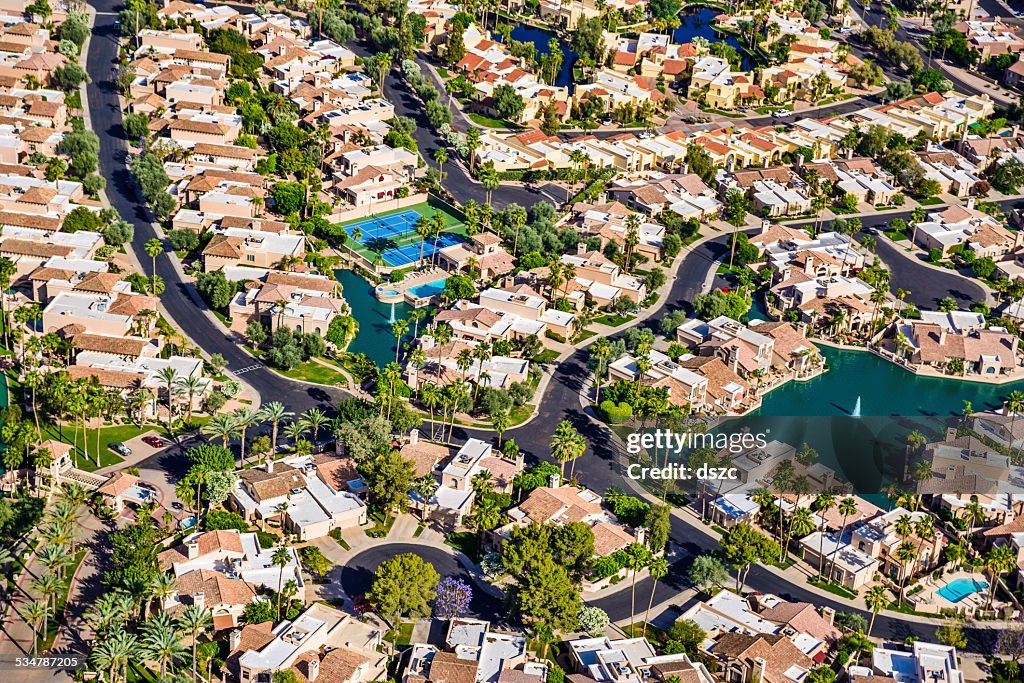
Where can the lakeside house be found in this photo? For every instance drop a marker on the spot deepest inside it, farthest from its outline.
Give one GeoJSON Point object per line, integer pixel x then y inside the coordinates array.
{"type": "Point", "coordinates": [955, 342]}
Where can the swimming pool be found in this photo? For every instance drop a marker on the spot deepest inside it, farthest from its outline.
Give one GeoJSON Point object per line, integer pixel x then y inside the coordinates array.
{"type": "Point", "coordinates": [427, 290]}
{"type": "Point", "coordinates": [957, 590]}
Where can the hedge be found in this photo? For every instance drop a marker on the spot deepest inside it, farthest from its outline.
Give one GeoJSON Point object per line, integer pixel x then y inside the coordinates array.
{"type": "Point", "coordinates": [617, 414]}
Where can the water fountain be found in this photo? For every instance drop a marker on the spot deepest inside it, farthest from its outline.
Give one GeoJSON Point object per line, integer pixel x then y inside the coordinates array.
{"type": "Point", "coordinates": [856, 408]}
{"type": "Point", "coordinates": [392, 318]}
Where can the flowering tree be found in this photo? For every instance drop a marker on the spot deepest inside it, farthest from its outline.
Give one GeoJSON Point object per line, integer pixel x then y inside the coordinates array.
{"type": "Point", "coordinates": [593, 620]}
{"type": "Point", "coordinates": [1010, 642]}
{"type": "Point", "coordinates": [453, 598]}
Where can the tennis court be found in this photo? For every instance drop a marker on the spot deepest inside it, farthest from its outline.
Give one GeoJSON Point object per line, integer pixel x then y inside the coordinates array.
{"type": "Point", "coordinates": [385, 227]}
{"type": "Point", "coordinates": [410, 253]}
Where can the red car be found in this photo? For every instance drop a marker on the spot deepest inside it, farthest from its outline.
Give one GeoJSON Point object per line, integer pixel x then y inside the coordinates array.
{"type": "Point", "coordinates": [155, 441]}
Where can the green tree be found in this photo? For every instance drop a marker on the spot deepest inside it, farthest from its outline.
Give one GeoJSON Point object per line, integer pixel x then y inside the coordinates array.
{"type": "Point", "coordinates": [388, 479]}
{"type": "Point", "coordinates": [403, 586]}
{"type": "Point", "coordinates": [743, 546]}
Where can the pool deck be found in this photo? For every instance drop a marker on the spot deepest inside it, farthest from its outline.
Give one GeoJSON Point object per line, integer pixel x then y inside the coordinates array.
{"type": "Point", "coordinates": [930, 600]}
{"type": "Point", "coordinates": [395, 292]}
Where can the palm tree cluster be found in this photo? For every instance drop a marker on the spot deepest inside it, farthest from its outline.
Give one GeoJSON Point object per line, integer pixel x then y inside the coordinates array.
{"type": "Point", "coordinates": [240, 423]}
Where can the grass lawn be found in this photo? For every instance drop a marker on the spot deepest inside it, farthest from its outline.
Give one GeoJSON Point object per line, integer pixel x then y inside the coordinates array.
{"type": "Point", "coordinates": [488, 122]}
{"type": "Point", "coordinates": [311, 371]}
{"type": "Point", "coordinates": [613, 319]}
{"type": "Point", "coordinates": [895, 235]}
{"type": "Point", "coordinates": [833, 588]}
{"type": "Point", "coordinates": [464, 541]}
{"type": "Point", "coordinates": [887, 208]}
{"type": "Point", "coordinates": [419, 530]}
{"type": "Point", "coordinates": [379, 528]}
{"type": "Point", "coordinates": [895, 606]}
{"type": "Point", "coordinates": [583, 336]}
{"type": "Point", "coordinates": [520, 414]}
{"type": "Point", "coordinates": [401, 637]}
{"type": "Point", "coordinates": [442, 72]}
{"type": "Point", "coordinates": [339, 539]}
{"type": "Point", "coordinates": [546, 356]}
{"type": "Point", "coordinates": [929, 201]}
{"type": "Point", "coordinates": [86, 443]}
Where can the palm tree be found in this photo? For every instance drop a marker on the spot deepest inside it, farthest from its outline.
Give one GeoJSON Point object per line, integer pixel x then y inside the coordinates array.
{"type": "Point", "coordinates": [399, 328]}
{"type": "Point", "coordinates": [430, 397]}
{"type": "Point", "coordinates": [245, 417]}
{"type": "Point", "coordinates": [280, 559]}
{"type": "Point", "coordinates": [906, 554]}
{"type": "Point", "coordinates": [658, 569]}
{"type": "Point", "coordinates": [601, 350]}
{"type": "Point", "coordinates": [425, 486]}
{"type": "Point", "coordinates": [847, 508]}
{"type": "Point", "coordinates": [223, 426]}
{"type": "Point", "coordinates": [36, 613]}
{"type": "Point", "coordinates": [274, 412]}
{"type": "Point", "coordinates": [48, 586]}
{"type": "Point", "coordinates": [189, 385]}
{"type": "Point", "coordinates": [441, 157]}
{"type": "Point", "coordinates": [114, 653]}
{"type": "Point", "coordinates": [822, 504]}
{"type": "Point", "coordinates": [500, 423]}
{"type": "Point", "coordinates": [169, 376]}
{"type": "Point", "coordinates": [162, 643]}
{"type": "Point", "coordinates": [154, 248]}
{"type": "Point", "coordinates": [877, 598]}
{"type": "Point", "coordinates": [194, 621]}
{"type": "Point", "coordinates": [637, 557]}
{"type": "Point", "coordinates": [566, 444]}
{"type": "Point", "coordinates": [314, 420]}
{"type": "Point", "coordinates": [294, 431]}
{"type": "Point", "coordinates": [161, 587]}
{"type": "Point", "coordinates": [999, 560]}
{"type": "Point", "coordinates": [54, 558]}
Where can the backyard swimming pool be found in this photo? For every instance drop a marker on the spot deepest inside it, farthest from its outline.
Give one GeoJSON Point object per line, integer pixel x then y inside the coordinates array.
{"type": "Point", "coordinates": [957, 590]}
{"type": "Point", "coordinates": [428, 289]}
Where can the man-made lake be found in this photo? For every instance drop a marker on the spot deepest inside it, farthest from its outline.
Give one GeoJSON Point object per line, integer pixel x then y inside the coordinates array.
{"type": "Point", "coordinates": [374, 338]}
{"type": "Point", "coordinates": [699, 22]}
{"type": "Point", "coordinates": [540, 38]}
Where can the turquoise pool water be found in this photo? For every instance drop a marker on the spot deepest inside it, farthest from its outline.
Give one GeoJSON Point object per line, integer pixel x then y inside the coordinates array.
{"type": "Point", "coordinates": [957, 590]}
{"type": "Point", "coordinates": [374, 337]}
{"type": "Point", "coordinates": [429, 289]}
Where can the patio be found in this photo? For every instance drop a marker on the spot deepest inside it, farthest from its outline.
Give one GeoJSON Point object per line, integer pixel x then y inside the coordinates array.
{"type": "Point", "coordinates": [960, 591]}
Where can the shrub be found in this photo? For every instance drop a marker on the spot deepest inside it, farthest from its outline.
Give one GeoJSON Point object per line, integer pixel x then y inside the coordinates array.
{"type": "Point", "coordinates": [225, 519]}
{"type": "Point", "coordinates": [616, 413]}
{"type": "Point", "coordinates": [554, 336]}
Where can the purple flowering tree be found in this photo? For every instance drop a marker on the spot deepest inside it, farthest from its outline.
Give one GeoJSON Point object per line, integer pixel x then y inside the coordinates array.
{"type": "Point", "coordinates": [453, 598]}
{"type": "Point", "coordinates": [1010, 642]}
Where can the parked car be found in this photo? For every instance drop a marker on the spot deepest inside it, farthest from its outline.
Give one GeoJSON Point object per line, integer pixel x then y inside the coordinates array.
{"type": "Point", "coordinates": [155, 441]}
{"type": "Point", "coordinates": [120, 449]}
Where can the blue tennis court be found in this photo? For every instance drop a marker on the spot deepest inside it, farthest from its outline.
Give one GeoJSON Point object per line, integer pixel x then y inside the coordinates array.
{"type": "Point", "coordinates": [385, 227]}
{"type": "Point", "coordinates": [410, 253]}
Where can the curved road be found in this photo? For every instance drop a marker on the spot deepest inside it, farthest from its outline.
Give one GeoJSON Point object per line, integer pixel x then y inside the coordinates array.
{"type": "Point", "coordinates": [561, 400]}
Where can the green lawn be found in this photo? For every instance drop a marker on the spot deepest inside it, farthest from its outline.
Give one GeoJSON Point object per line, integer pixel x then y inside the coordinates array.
{"type": "Point", "coordinates": [86, 443]}
{"type": "Point", "coordinates": [895, 236]}
{"type": "Point", "coordinates": [488, 122]}
{"type": "Point", "coordinates": [311, 371]}
{"type": "Point", "coordinates": [380, 529]}
{"type": "Point", "coordinates": [928, 201]}
{"type": "Point", "coordinates": [613, 319]}
{"type": "Point", "coordinates": [546, 356]}
{"type": "Point", "coordinates": [452, 222]}
{"type": "Point", "coordinates": [442, 72]}
{"type": "Point", "coordinates": [833, 588]}
{"type": "Point", "coordinates": [520, 414]}
{"type": "Point", "coordinates": [464, 541]}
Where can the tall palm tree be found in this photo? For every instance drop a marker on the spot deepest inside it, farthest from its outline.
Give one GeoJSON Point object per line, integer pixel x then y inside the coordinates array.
{"type": "Point", "coordinates": [189, 386]}
{"type": "Point", "coordinates": [399, 328]}
{"type": "Point", "coordinates": [425, 486]}
{"type": "Point", "coordinates": [274, 412]}
{"type": "Point", "coordinates": [566, 444]}
{"type": "Point", "coordinates": [294, 431]}
{"type": "Point", "coordinates": [36, 613]}
{"type": "Point", "coordinates": [154, 248]}
{"type": "Point", "coordinates": [998, 561]}
{"type": "Point", "coordinates": [169, 376]}
{"type": "Point", "coordinates": [161, 587]}
{"type": "Point", "coordinates": [194, 621]}
{"type": "Point", "coordinates": [847, 508]}
{"type": "Point", "coordinates": [906, 554]}
{"type": "Point", "coordinates": [281, 557]}
{"type": "Point", "coordinates": [877, 598]}
{"type": "Point", "coordinates": [637, 557]}
{"type": "Point", "coordinates": [601, 350]}
{"type": "Point", "coordinates": [48, 586]}
{"type": "Point", "coordinates": [658, 569]}
{"type": "Point", "coordinates": [114, 653]}
{"type": "Point", "coordinates": [822, 504]}
{"type": "Point", "coordinates": [245, 417]}
{"type": "Point", "coordinates": [430, 397]}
